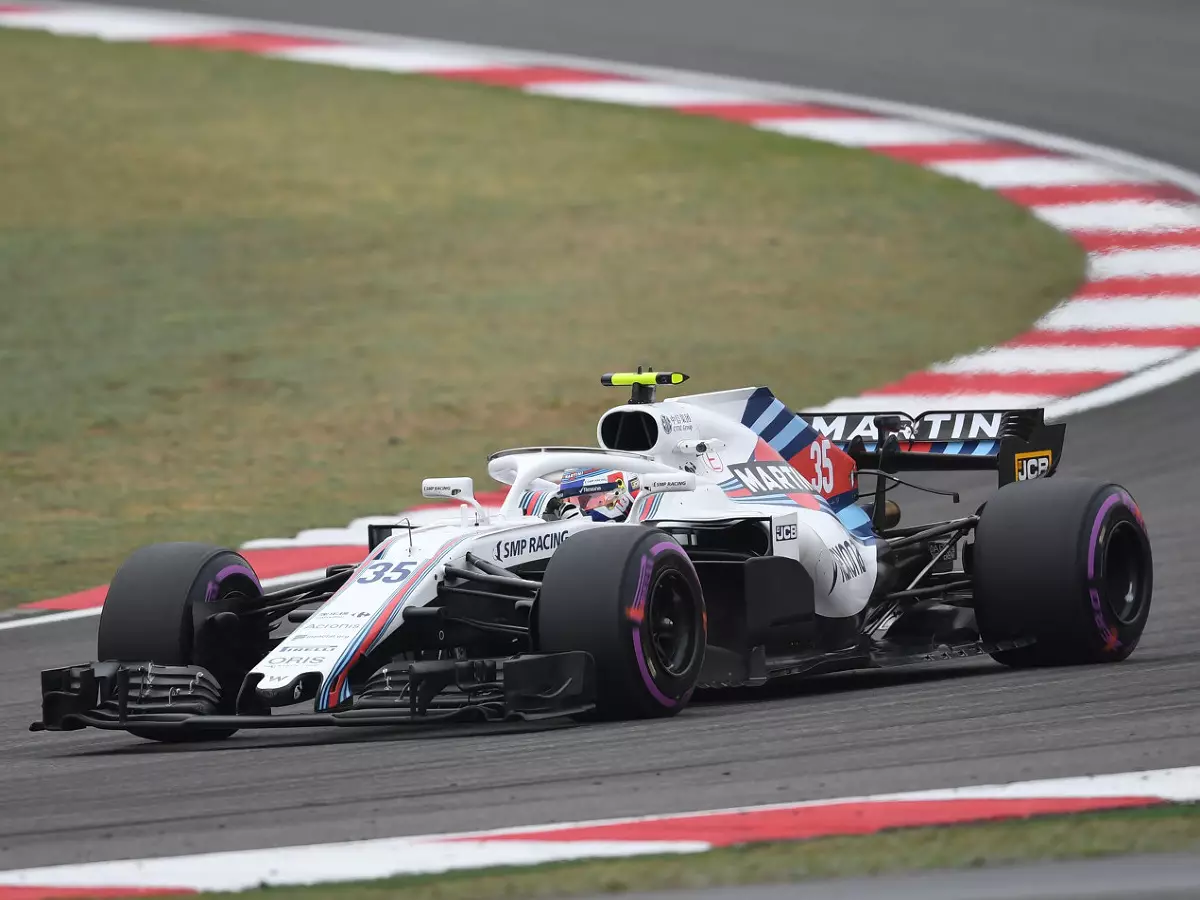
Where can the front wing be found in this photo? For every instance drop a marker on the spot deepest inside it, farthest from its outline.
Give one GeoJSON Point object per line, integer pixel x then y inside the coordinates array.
{"type": "Point", "coordinates": [146, 696]}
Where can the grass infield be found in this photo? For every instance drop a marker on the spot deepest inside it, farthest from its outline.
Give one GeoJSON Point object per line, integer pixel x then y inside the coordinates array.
{"type": "Point", "coordinates": [240, 297]}
{"type": "Point", "coordinates": [1151, 830]}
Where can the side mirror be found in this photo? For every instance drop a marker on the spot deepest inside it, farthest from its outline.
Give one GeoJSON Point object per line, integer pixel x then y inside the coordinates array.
{"type": "Point", "coordinates": [460, 489]}
{"type": "Point", "coordinates": [658, 483]}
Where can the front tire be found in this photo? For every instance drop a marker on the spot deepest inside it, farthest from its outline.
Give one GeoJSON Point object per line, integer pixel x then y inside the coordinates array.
{"type": "Point", "coordinates": [1067, 562]}
{"type": "Point", "coordinates": [630, 597]}
{"type": "Point", "coordinates": [159, 608]}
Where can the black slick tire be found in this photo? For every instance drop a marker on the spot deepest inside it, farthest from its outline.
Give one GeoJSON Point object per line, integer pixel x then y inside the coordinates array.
{"type": "Point", "coordinates": [156, 610]}
{"type": "Point", "coordinates": [1067, 562]}
{"type": "Point", "coordinates": [629, 596]}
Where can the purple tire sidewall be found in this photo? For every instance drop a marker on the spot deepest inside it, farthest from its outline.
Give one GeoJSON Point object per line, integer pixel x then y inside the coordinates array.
{"type": "Point", "coordinates": [1111, 508]}
{"type": "Point", "coordinates": [645, 568]}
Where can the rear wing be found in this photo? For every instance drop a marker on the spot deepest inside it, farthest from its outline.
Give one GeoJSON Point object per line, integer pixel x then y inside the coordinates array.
{"type": "Point", "coordinates": [1017, 444]}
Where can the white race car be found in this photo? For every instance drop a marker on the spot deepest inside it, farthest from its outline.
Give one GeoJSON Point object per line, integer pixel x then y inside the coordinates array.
{"type": "Point", "coordinates": [709, 541]}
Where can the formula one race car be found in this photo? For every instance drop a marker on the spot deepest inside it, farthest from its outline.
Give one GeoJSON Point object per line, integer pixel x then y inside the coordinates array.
{"type": "Point", "coordinates": [710, 541]}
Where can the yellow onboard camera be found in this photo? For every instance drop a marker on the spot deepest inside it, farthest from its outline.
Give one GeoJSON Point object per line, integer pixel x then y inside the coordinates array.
{"type": "Point", "coordinates": [642, 383]}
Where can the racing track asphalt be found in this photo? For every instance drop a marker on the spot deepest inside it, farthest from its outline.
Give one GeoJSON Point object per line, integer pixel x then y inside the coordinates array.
{"type": "Point", "coordinates": [1120, 73]}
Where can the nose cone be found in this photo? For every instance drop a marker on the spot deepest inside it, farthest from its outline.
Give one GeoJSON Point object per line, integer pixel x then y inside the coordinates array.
{"type": "Point", "coordinates": [298, 689]}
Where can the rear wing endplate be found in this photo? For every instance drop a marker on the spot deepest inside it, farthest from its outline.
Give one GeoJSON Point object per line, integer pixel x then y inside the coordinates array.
{"type": "Point", "coordinates": [1017, 444]}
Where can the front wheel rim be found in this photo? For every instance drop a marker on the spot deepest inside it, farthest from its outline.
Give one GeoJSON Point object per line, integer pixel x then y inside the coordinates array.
{"type": "Point", "coordinates": [671, 622]}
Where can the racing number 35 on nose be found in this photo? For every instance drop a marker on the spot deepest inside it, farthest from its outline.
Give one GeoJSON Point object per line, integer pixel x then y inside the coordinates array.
{"type": "Point", "coordinates": [704, 542]}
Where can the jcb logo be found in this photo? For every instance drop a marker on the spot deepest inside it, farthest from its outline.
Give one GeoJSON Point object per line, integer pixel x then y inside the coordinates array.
{"type": "Point", "coordinates": [1034, 464]}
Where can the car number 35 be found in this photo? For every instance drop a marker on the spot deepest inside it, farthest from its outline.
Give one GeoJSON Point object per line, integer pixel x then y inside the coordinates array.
{"type": "Point", "coordinates": [387, 572]}
{"type": "Point", "coordinates": [822, 465]}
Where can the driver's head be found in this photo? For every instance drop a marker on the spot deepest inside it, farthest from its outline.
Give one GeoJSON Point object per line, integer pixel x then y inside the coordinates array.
{"type": "Point", "coordinates": [605, 495]}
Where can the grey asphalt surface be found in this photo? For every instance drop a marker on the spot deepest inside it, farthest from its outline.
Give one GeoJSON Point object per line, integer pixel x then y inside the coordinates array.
{"type": "Point", "coordinates": [1122, 73]}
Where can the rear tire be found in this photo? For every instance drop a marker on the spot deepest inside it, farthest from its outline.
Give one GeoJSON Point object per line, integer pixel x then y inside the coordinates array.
{"type": "Point", "coordinates": [156, 611]}
{"type": "Point", "coordinates": [629, 596]}
{"type": "Point", "coordinates": [1065, 561]}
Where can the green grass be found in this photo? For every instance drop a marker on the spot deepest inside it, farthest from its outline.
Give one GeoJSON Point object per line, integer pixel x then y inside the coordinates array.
{"type": "Point", "coordinates": [240, 297]}
{"type": "Point", "coordinates": [1153, 830]}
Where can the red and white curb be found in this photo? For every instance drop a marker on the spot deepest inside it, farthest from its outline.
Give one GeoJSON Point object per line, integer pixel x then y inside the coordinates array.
{"type": "Point", "coordinates": [682, 833]}
{"type": "Point", "coordinates": [1134, 325]}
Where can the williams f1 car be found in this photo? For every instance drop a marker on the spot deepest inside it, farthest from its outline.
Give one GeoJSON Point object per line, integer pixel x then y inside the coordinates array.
{"type": "Point", "coordinates": [708, 542]}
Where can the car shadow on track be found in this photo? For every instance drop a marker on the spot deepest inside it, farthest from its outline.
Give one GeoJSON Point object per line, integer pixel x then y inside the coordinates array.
{"type": "Point", "coordinates": [313, 737]}
{"type": "Point", "coordinates": [850, 681]}
{"type": "Point", "coordinates": [708, 704]}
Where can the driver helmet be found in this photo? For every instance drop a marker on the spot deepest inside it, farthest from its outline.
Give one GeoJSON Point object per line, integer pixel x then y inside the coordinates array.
{"type": "Point", "coordinates": [603, 495]}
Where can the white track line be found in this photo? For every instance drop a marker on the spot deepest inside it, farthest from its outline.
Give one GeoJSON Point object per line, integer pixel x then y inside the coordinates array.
{"type": "Point", "coordinates": [1135, 385]}
{"type": "Point", "coordinates": [34, 618]}
{"type": "Point", "coordinates": [325, 863]}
